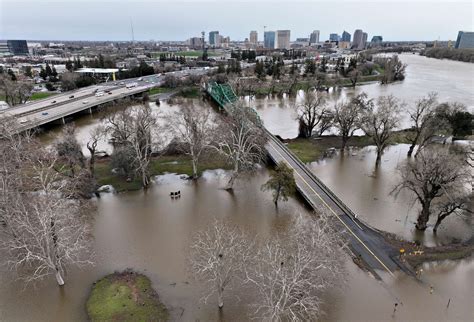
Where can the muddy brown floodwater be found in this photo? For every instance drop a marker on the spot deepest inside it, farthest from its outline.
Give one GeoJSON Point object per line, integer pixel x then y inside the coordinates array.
{"type": "Point", "coordinates": [150, 233]}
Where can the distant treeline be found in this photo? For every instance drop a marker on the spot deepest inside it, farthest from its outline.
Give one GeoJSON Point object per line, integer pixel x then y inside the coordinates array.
{"type": "Point", "coordinates": [465, 55]}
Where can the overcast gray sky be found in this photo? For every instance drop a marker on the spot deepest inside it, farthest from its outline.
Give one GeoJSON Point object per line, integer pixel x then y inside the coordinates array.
{"type": "Point", "coordinates": [179, 20]}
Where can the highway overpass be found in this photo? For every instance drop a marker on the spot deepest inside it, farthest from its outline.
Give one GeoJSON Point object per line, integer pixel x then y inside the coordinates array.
{"type": "Point", "coordinates": [58, 107]}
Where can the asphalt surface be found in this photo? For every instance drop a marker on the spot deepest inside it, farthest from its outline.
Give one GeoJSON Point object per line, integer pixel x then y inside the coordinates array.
{"type": "Point", "coordinates": [54, 108]}
{"type": "Point", "coordinates": [365, 242]}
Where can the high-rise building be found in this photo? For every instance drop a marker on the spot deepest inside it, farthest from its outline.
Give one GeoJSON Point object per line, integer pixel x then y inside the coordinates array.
{"type": "Point", "coordinates": [253, 37]}
{"type": "Point", "coordinates": [314, 37]}
{"type": "Point", "coordinates": [357, 41]}
{"type": "Point", "coordinates": [346, 36]}
{"type": "Point", "coordinates": [333, 37]}
{"type": "Point", "coordinates": [376, 41]}
{"type": "Point", "coordinates": [214, 38]}
{"type": "Point", "coordinates": [269, 39]}
{"type": "Point", "coordinates": [283, 39]}
{"type": "Point", "coordinates": [195, 42]}
{"type": "Point", "coordinates": [465, 40]}
{"type": "Point", "coordinates": [18, 47]}
{"type": "Point", "coordinates": [364, 41]}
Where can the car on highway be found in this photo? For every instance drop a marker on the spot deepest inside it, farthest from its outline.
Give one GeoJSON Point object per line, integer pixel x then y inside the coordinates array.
{"type": "Point", "coordinates": [23, 121]}
{"type": "Point", "coordinates": [53, 102]}
{"type": "Point", "coordinates": [99, 94]}
{"type": "Point", "coordinates": [44, 113]}
{"type": "Point", "coordinates": [122, 83]}
{"type": "Point", "coordinates": [109, 92]}
{"type": "Point", "coordinates": [85, 102]}
{"type": "Point", "coordinates": [140, 79]}
{"type": "Point", "coordinates": [72, 96]}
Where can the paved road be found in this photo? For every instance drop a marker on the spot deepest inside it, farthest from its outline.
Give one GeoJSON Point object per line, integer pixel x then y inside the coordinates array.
{"type": "Point", "coordinates": [43, 111]}
{"type": "Point", "coordinates": [365, 242]}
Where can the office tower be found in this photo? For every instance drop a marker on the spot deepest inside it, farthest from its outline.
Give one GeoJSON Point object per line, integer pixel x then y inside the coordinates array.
{"type": "Point", "coordinates": [253, 37]}
{"type": "Point", "coordinates": [213, 38]}
{"type": "Point", "coordinates": [314, 37]}
{"type": "Point", "coordinates": [465, 40]}
{"type": "Point", "coordinates": [333, 37]}
{"type": "Point", "coordinates": [283, 39]}
{"type": "Point", "coordinates": [357, 41]}
{"type": "Point", "coordinates": [364, 40]}
{"type": "Point", "coordinates": [269, 39]}
{"type": "Point", "coordinates": [346, 36]}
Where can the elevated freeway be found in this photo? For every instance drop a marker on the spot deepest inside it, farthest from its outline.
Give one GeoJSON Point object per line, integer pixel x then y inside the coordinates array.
{"type": "Point", "coordinates": [60, 106]}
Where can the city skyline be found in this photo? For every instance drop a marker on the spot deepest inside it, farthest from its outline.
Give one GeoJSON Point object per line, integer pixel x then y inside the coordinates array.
{"type": "Point", "coordinates": [162, 20]}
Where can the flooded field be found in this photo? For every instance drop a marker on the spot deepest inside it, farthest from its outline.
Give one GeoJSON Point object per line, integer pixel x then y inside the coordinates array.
{"type": "Point", "coordinates": [150, 232]}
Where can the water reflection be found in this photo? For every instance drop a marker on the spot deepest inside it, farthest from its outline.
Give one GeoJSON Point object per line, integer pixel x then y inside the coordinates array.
{"type": "Point", "coordinates": [367, 191]}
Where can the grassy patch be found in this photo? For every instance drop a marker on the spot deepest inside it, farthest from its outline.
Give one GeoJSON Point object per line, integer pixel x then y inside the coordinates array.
{"type": "Point", "coordinates": [125, 296]}
{"type": "Point", "coordinates": [180, 164]}
{"type": "Point", "coordinates": [159, 90]}
{"type": "Point", "coordinates": [308, 150]}
{"type": "Point", "coordinates": [41, 95]}
{"type": "Point", "coordinates": [190, 92]}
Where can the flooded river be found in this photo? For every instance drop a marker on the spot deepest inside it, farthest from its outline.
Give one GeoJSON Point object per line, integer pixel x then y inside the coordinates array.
{"type": "Point", "coordinates": [150, 233]}
{"type": "Point", "coordinates": [452, 80]}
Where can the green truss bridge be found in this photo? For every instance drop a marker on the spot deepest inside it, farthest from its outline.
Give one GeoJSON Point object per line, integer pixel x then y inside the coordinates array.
{"type": "Point", "coordinates": [222, 94]}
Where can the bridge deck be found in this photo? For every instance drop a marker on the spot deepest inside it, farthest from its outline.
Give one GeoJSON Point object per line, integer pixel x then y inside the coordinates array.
{"type": "Point", "coordinates": [364, 241]}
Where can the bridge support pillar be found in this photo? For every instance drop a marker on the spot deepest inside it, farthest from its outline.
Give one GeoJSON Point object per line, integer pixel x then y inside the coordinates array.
{"type": "Point", "coordinates": [90, 110]}
{"type": "Point", "coordinates": [63, 120]}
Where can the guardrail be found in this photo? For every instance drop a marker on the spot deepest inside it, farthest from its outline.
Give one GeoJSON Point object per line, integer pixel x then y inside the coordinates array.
{"type": "Point", "coordinates": [318, 182]}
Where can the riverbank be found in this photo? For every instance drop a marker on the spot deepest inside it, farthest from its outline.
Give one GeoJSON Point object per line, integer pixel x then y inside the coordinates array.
{"type": "Point", "coordinates": [414, 255]}
{"type": "Point", "coordinates": [180, 164]}
{"type": "Point", "coordinates": [315, 148]}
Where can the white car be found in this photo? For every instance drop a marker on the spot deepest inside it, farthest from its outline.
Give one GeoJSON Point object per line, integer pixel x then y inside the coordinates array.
{"type": "Point", "coordinates": [140, 79]}
{"type": "Point", "coordinates": [85, 102]}
{"type": "Point", "coordinates": [99, 94]}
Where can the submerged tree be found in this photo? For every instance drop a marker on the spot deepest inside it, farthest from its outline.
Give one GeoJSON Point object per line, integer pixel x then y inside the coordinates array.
{"type": "Point", "coordinates": [379, 121]}
{"type": "Point", "coordinates": [425, 123]}
{"type": "Point", "coordinates": [281, 183]}
{"type": "Point", "coordinates": [218, 257]}
{"type": "Point", "coordinates": [194, 128]}
{"type": "Point", "coordinates": [313, 113]}
{"type": "Point", "coordinates": [96, 135]}
{"type": "Point", "coordinates": [44, 228]}
{"type": "Point", "coordinates": [69, 149]}
{"type": "Point", "coordinates": [293, 271]}
{"type": "Point", "coordinates": [438, 179]}
{"type": "Point", "coordinates": [241, 139]}
{"type": "Point", "coordinates": [132, 130]}
{"type": "Point", "coordinates": [347, 116]}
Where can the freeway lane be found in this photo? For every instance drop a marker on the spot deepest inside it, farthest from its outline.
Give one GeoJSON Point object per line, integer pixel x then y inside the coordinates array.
{"type": "Point", "coordinates": [44, 111]}
{"type": "Point", "coordinates": [364, 241]}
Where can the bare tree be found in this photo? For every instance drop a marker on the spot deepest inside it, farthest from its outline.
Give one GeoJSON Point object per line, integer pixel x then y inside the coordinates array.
{"type": "Point", "coordinates": [132, 129]}
{"type": "Point", "coordinates": [379, 121]}
{"type": "Point", "coordinates": [292, 272]}
{"type": "Point", "coordinates": [347, 116]}
{"type": "Point", "coordinates": [43, 229]}
{"type": "Point", "coordinates": [15, 92]}
{"type": "Point", "coordinates": [193, 127]}
{"type": "Point", "coordinates": [313, 113]}
{"type": "Point", "coordinates": [69, 149]}
{"type": "Point", "coordinates": [438, 179]}
{"type": "Point", "coordinates": [241, 139]}
{"type": "Point", "coordinates": [96, 134]}
{"type": "Point", "coordinates": [425, 123]}
{"type": "Point", "coordinates": [218, 256]}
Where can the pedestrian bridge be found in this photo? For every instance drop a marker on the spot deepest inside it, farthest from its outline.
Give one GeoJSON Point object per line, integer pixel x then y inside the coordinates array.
{"type": "Point", "coordinates": [366, 243]}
